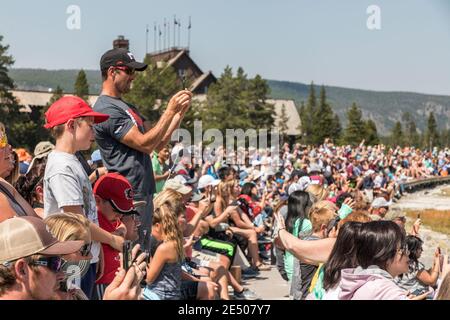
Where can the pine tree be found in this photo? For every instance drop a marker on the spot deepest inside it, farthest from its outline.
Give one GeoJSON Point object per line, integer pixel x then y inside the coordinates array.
{"type": "Point", "coordinates": [323, 120]}
{"type": "Point", "coordinates": [261, 113]}
{"type": "Point", "coordinates": [82, 86]}
{"type": "Point", "coordinates": [371, 133]}
{"type": "Point", "coordinates": [445, 138]}
{"type": "Point", "coordinates": [355, 130]}
{"type": "Point", "coordinates": [152, 90]}
{"type": "Point", "coordinates": [224, 107]}
{"type": "Point", "coordinates": [336, 131]}
{"type": "Point", "coordinates": [308, 119]}
{"type": "Point", "coordinates": [303, 122]}
{"type": "Point", "coordinates": [397, 138]}
{"type": "Point", "coordinates": [432, 136]}
{"type": "Point", "coordinates": [20, 128]}
{"type": "Point", "coordinates": [236, 102]}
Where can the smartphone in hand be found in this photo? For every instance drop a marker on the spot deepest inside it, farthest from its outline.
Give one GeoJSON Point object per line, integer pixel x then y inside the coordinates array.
{"type": "Point", "coordinates": [127, 256]}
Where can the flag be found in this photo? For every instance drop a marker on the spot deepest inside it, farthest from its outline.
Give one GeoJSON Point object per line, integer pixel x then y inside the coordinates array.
{"type": "Point", "coordinates": [175, 21]}
{"type": "Point", "coordinates": [159, 29]}
{"type": "Point", "coordinates": [189, 26]}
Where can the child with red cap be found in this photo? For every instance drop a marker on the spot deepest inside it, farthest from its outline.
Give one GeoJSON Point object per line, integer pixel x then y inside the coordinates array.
{"type": "Point", "coordinates": [114, 199]}
{"type": "Point", "coordinates": [66, 184]}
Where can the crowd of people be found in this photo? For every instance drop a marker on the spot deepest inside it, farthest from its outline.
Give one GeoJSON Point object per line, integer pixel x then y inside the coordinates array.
{"type": "Point", "coordinates": [141, 218]}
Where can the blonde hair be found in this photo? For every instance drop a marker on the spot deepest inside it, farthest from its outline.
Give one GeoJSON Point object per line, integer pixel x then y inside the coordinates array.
{"type": "Point", "coordinates": [320, 216]}
{"type": "Point", "coordinates": [355, 216]}
{"type": "Point", "coordinates": [444, 289]}
{"type": "Point", "coordinates": [324, 204]}
{"type": "Point", "coordinates": [317, 191]}
{"type": "Point", "coordinates": [69, 226]}
{"type": "Point", "coordinates": [168, 205]}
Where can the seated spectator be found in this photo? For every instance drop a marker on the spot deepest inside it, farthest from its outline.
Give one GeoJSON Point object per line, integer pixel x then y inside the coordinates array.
{"type": "Point", "coordinates": [382, 255]}
{"type": "Point", "coordinates": [30, 259]}
{"type": "Point", "coordinates": [418, 280]}
{"type": "Point", "coordinates": [11, 202]}
{"type": "Point", "coordinates": [303, 272]}
{"type": "Point", "coordinates": [164, 272]}
{"type": "Point", "coordinates": [114, 199]}
{"type": "Point", "coordinates": [72, 227]}
{"type": "Point", "coordinates": [378, 208]}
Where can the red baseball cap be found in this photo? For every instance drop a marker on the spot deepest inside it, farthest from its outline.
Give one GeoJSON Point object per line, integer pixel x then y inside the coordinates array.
{"type": "Point", "coordinates": [70, 107]}
{"type": "Point", "coordinates": [117, 190]}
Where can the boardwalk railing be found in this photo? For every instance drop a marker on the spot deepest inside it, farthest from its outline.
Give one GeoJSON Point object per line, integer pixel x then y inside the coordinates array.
{"type": "Point", "coordinates": [419, 184]}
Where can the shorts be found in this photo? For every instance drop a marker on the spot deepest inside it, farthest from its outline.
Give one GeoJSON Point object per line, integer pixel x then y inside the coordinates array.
{"type": "Point", "coordinates": [189, 290]}
{"type": "Point", "coordinates": [204, 257]}
{"type": "Point", "coordinates": [222, 247]}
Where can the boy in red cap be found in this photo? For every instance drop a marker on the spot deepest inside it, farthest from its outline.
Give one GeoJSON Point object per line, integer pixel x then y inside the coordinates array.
{"type": "Point", "coordinates": [66, 185]}
{"type": "Point", "coordinates": [114, 199]}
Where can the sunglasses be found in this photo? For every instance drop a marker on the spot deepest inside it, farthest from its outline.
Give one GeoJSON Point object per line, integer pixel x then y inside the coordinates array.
{"type": "Point", "coordinates": [127, 70]}
{"type": "Point", "coordinates": [53, 263]}
{"type": "Point", "coordinates": [86, 249]}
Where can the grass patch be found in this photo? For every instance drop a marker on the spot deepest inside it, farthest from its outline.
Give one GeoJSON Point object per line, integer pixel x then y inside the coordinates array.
{"type": "Point", "coordinates": [437, 220]}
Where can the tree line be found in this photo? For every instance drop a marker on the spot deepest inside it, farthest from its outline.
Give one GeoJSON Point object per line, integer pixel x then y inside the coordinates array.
{"type": "Point", "coordinates": [234, 101]}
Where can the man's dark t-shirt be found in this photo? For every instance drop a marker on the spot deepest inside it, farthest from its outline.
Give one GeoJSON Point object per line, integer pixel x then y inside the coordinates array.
{"type": "Point", "coordinates": [118, 157]}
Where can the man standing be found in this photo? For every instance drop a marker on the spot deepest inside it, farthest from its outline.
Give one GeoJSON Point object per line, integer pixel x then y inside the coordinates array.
{"type": "Point", "coordinates": [126, 141]}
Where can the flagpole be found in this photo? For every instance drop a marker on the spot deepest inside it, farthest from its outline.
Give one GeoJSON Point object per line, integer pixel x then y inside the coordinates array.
{"type": "Point", "coordinates": [174, 29]}
{"type": "Point", "coordinates": [146, 40]}
{"type": "Point", "coordinates": [159, 37]}
{"type": "Point", "coordinates": [154, 38]}
{"type": "Point", "coordinates": [189, 33]}
{"type": "Point", "coordinates": [168, 34]}
{"type": "Point", "coordinates": [179, 32]}
{"type": "Point", "coordinates": [165, 34]}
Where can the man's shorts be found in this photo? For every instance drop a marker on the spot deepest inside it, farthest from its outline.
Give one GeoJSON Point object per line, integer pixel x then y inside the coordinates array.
{"type": "Point", "coordinates": [204, 257]}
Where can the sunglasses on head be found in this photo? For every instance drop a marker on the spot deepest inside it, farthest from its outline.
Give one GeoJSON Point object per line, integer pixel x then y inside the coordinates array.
{"type": "Point", "coordinates": [53, 263]}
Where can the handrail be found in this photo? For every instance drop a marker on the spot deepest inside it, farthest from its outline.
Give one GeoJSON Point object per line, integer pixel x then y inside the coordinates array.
{"type": "Point", "coordinates": [427, 182]}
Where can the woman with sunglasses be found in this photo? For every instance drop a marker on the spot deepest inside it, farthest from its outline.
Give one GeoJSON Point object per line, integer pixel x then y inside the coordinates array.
{"type": "Point", "coordinates": [12, 204]}
{"type": "Point", "coordinates": [382, 255]}
{"type": "Point", "coordinates": [66, 227]}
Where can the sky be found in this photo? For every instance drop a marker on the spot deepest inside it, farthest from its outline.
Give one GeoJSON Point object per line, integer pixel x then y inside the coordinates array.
{"type": "Point", "coordinates": [324, 41]}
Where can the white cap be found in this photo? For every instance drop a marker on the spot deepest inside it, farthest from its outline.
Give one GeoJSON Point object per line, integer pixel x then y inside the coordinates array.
{"type": "Point", "coordinates": [207, 180]}
{"type": "Point", "coordinates": [294, 187]}
{"type": "Point", "coordinates": [380, 202]}
{"type": "Point", "coordinates": [180, 179]}
{"type": "Point", "coordinates": [177, 186]}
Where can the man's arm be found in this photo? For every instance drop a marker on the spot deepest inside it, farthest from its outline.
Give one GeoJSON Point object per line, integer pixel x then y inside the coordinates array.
{"type": "Point", "coordinates": [148, 141]}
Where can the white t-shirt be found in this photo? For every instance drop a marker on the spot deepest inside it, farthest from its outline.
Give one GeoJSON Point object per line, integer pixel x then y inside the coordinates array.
{"type": "Point", "coordinates": [67, 184]}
